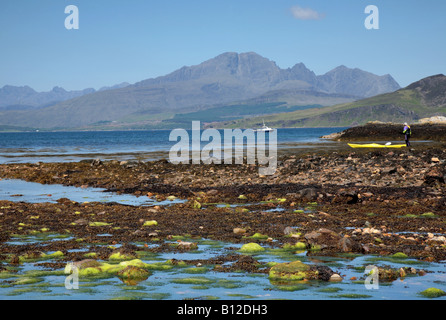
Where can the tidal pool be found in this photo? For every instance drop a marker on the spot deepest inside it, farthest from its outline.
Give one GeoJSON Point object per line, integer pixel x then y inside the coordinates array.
{"type": "Point", "coordinates": [32, 192]}
{"type": "Point", "coordinates": [31, 281]}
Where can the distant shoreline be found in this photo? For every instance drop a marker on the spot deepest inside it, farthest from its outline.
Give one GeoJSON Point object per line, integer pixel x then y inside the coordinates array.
{"type": "Point", "coordinates": [376, 131]}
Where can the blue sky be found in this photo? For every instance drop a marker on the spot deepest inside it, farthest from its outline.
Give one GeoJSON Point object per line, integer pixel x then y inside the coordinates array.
{"type": "Point", "coordinates": [134, 40]}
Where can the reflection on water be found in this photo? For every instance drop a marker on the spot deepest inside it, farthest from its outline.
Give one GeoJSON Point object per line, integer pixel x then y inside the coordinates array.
{"type": "Point", "coordinates": [18, 190]}
{"type": "Point", "coordinates": [167, 281]}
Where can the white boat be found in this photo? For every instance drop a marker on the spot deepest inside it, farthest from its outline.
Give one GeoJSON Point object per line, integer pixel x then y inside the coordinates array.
{"type": "Point", "coordinates": [265, 128]}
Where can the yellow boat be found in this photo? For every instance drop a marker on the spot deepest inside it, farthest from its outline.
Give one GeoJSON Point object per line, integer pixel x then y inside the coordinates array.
{"type": "Point", "coordinates": [376, 145]}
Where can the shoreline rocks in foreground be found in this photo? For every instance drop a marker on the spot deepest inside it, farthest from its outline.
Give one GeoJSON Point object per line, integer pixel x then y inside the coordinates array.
{"type": "Point", "coordinates": [376, 202]}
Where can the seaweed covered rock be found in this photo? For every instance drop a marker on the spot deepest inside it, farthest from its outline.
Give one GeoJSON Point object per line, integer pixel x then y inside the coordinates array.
{"type": "Point", "coordinates": [251, 248]}
{"type": "Point", "coordinates": [133, 273]}
{"type": "Point", "coordinates": [433, 293]}
{"type": "Point", "coordinates": [297, 270]}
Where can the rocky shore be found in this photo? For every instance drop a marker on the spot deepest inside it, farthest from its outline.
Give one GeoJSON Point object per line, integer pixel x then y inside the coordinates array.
{"type": "Point", "coordinates": [378, 131]}
{"type": "Point", "coordinates": [363, 202]}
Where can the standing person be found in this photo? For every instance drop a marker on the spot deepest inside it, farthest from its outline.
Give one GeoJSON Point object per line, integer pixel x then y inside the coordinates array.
{"type": "Point", "coordinates": [407, 132]}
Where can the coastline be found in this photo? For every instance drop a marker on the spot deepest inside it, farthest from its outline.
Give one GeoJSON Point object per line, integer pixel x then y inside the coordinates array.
{"type": "Point", "coordinates": [379, 131]}
{"type": "Point", "coordinates": [388, 191]}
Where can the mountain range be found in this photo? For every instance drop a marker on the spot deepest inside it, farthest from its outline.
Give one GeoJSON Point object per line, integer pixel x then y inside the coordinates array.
{"type": "Point", "coordinates": [21, 98]}
{"type": "Point", "coordinates": [230, 82]}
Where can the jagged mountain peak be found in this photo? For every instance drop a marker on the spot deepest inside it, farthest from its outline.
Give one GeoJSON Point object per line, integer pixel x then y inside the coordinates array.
{"type": "Point", "coordinates": [227, 78]}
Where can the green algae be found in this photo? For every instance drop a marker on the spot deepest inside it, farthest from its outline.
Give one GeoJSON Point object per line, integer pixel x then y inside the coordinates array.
{"type": "Point", "coordinates": [291, 288]}
{"type": "Point", "coordinates": [229, 284]}
{"type": "Point", "coordinates": [196, 205]}
{"type": "Point", "coordinates": [193, 280]}
{"type": "Point", "coordinates": [251, 248]}
{"type": "Point", "coordinates": [20, 291]}
{"type": "Point", "coordinates": [99, 224]}
{"type": "Point", "coordinates": [196, 270]}
{"type": "Point", "coordinates": [133, 273]}
{"type": "Point", "coordinates": [432, 293]}
{"type": "Point", "coordinates": [150, 223]}
{"type": "Point", "coordinates": [399, 255]}
{"type": "Point", "coordinates": [120, 256]}
{"type": "Point", "coordinates": [300, 246]}
{"type": "Point", "coordinates": [295, 270]}
{"type": "Point", "coordinates": [332, 289]}
{"type": "Point", "coordinates": [429, 215]}
{"type": "Point", "coordinates": [22, 280]}
{"type": "Point", "coordinates": [258, 236]}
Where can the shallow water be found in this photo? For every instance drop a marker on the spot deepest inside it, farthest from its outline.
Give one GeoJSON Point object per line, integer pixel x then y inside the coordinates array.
{"type": "Point", "coordinates": [18, 190]}
{"type": "Point", "coordinates": [189, 282]}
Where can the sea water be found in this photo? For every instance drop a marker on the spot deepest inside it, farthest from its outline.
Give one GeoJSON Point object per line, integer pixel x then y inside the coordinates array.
{"type": "Point", "coordinates": [32, 147]}
{"type": "Point", "coordinates": [178, 282]}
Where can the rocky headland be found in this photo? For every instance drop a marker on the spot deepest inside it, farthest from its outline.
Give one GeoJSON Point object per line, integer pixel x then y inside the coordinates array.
{"type": "Point", "coordinates": [378, 131]}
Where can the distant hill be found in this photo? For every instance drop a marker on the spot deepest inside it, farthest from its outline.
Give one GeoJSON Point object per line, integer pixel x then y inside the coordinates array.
{"type": "Point", "coordinates": [421, 99]}
{"type": "Point", "coordinates": [226, 80]}
{"type": "Point", "coordinates": [20, 98]}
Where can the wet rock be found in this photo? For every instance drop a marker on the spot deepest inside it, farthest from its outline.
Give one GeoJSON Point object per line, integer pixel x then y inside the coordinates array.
{"type": "Point", "coordinates": [64, 201]}
{"type": "Point", "coordinates": [324, 273]}
{"type": "Point", "coordinates": [433, 293]}
{"type": "Point", "coordinates": [121, 256]}
{"type": "Point", "coordinates": [239, 231]}
{"type": "Point", "coordinates": [212, 192]}
{"type": "Point", "coordinates": [389, 274]}
{"type": "Point", "coordinates": [308, 193]}
{"type": "Point", "coordinates": [96, 163]}
{"type": "Point", "coordinates": [186, 245]}
{"type": "Point", "coordinates": [251, 248]}
{"type": "Point", "coordinates": [346, 196]}
{"type": "Point", "coordinates": [81, 222]}
{"type": "Point", "coordinates": [150, 223]}
{"type": "Point", "coordinates": [195, 204]}
{"type": "Point", "coordinates": [349, 245]}
{"type": "Point", "coordinates": [323, 238]}
{"type": "Point", "coordinates": [87, 263]}
{"type": "Point", "coordinates": [133, 273]}
{"type": "Point", "coordinates": [326, 239]}
{"type": "Point", "coordinates": [246, 263]}
{"type": "Point", "coordinates": [297, 270]}
{"type": "Point", "coordinates": [289, 231]}
{"type": "Point", "coordinates": [436, 174]}
{"type": "Point", "coordinates": [335, 278]}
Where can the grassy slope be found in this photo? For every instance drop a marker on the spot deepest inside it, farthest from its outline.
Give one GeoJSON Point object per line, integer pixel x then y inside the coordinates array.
{"type": "Point", "coordinates": [345, 114]}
